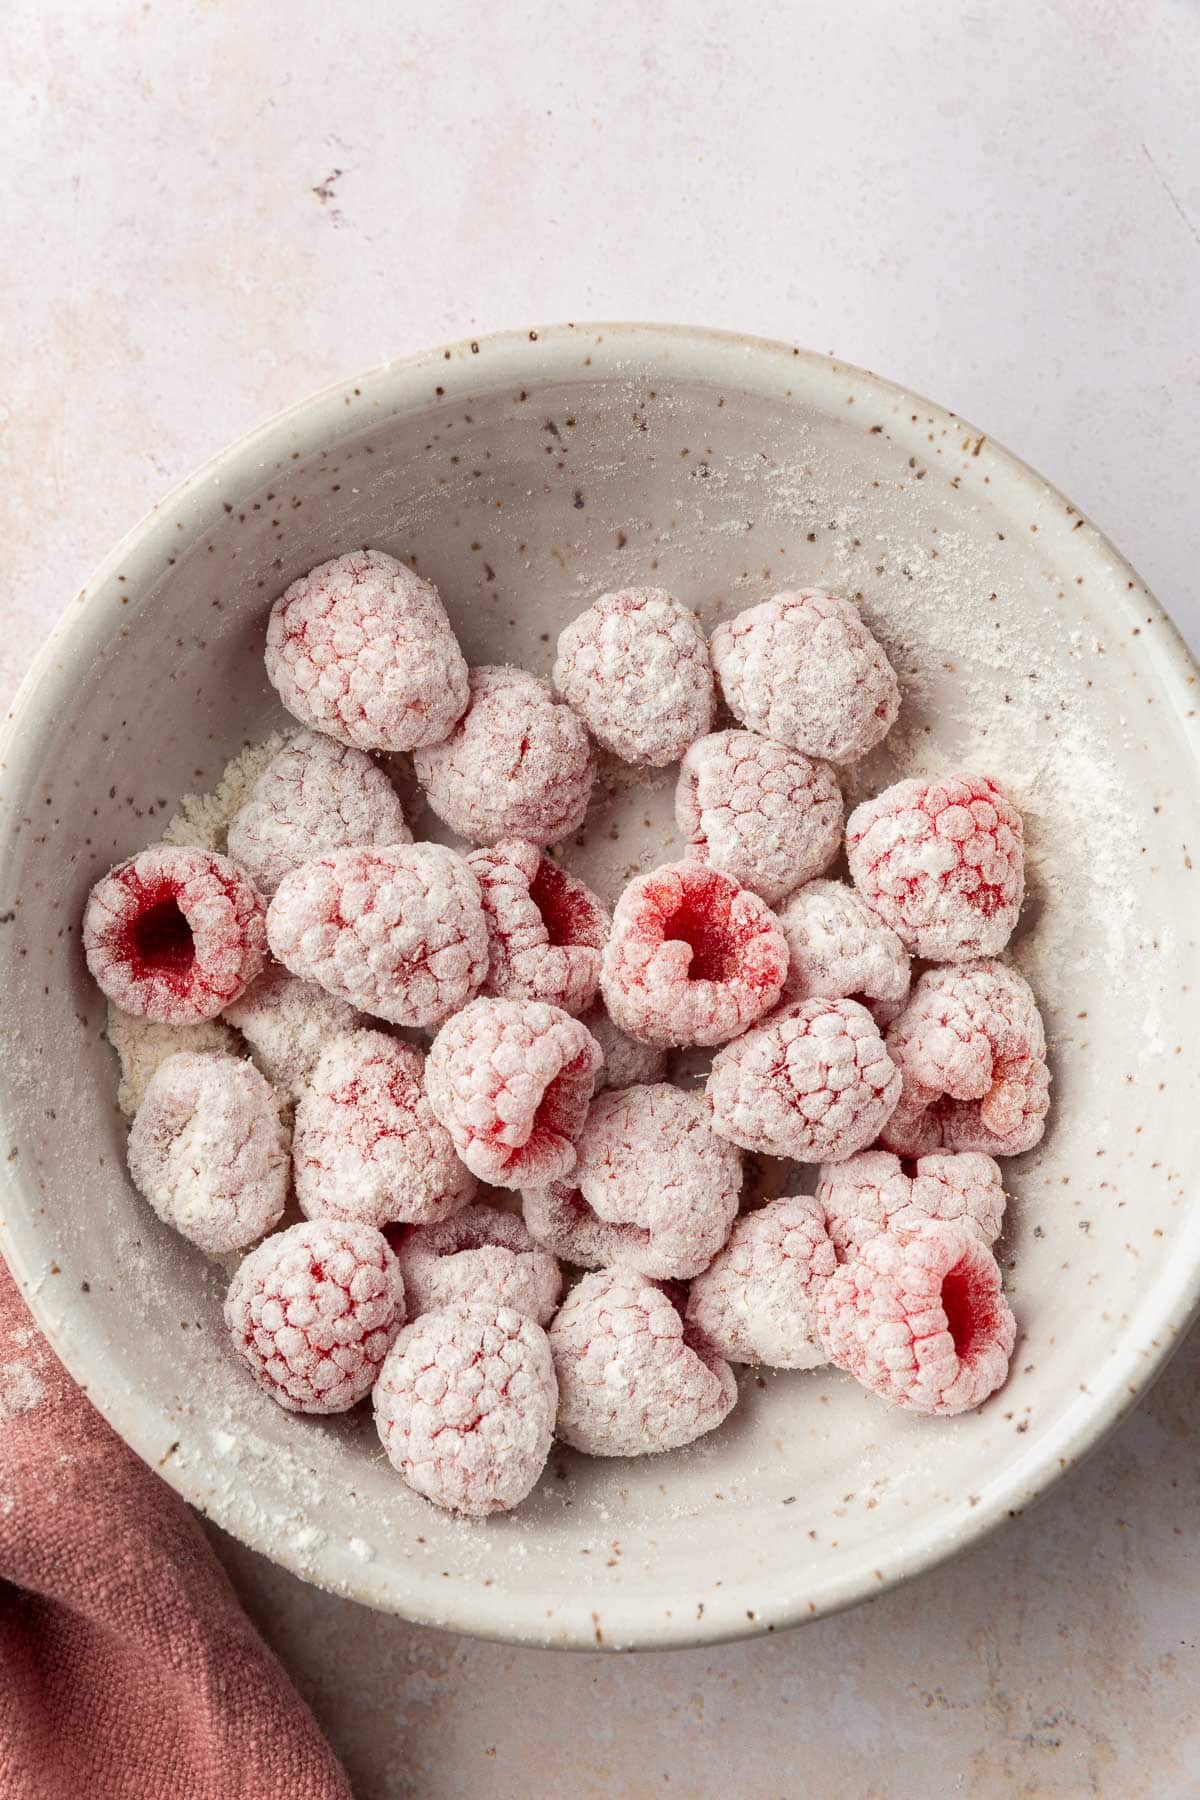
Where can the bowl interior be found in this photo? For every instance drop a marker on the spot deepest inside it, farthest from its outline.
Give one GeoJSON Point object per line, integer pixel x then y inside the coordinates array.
{"type": "Point", "coordinates": [525, 476]}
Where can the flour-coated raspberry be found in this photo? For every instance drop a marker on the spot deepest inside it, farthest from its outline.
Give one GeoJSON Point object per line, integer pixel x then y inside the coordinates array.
{"type": "Point", "coordinates": [511, 1080]}
{"type": "Point", "coordinates": [313, 1312]}
{"type": "Point", "coordinates": [635, 667]}
{"type": "Point", "coordinates": [626, 1059]}
{"type": "Point", "coordinates": [633, 1377]}
{"type": "Point", "coordinates": [942, 863]}
{"type": "Point", "coordinates": [546, 930]}
{"type": "Point", "coordinates": [361, 648]}
{"type": "Point", "coordinates": [209, 1151]}
{"type": "Point", "coordinates": [876, 1192]}
{"type": "Point", "coordinates": [692, 958]}
{"type": "Point", "coordinates": [174, 934]}
{"type": "Point", "coordinates": [804, 668]}
{"type": "Point", "coordinates": [766, 814]}
{"type": "Point", "coordinates": [757, 1300]}
{"type": "Point", "coordinates": [653, 1188]}
{"type": "Point", "coordinates": [840, 950]}
{"type": "Point", "coordinates": [316, 795]}
{"type": "Point", "coordinates": [517, 764]}
{"type": "Point", "coordinates": [921, 1319]}
{"type": "Point", "coordinates": [398, 932]}
{"type": "Point", "coordinates": [366, 1144]}
{"type": "Point", "coordinates": [465, 1407]}
{"type": "Point", "coordinates": [813, 1083]}
{"type": "Point", "coordinates": [482, 1255]}
{"type": "Point", "coordinates": [287, 1024]}
{"type": "Point", "coordinates": [971, 1048]}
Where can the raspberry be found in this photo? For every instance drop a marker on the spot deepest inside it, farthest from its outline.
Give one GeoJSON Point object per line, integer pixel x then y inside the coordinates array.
{"type": "Point", "coordinates": [397, 932]}
{"type": "Point", "coordinates": [174, 935]}
{"type": "Point", "coordinates": [920, 1320]}
{"type": "Point", "coordinates": [366, 1144]}
{"type": "Point", "coordinates": [767, 815]}
{"type": "Point", "coordinates": [692, 958]}
{"type": "Point", "coordinates": [756, 1302]}
{"type": "Point", "coordinates": [633, 1377]}
{"type": "Point", "coordinates": [635, 667]}
{"type": "Point", "coordinates": [465, 1407]}
{"type": "Point", "coordinates": [316, 795]}
{"type": "Point", "coordinates": [287, 1024]}
{"type": "Point", "coordinates": [511, 1080]}
{"type": "Point", "coordinates": [971, 1048]}
{"type": "Point", "coordinates": [813, 1083]}
{"type": "Point", "coordinates": [361, 648]}
{"type": "Point", "coordinates": [942, 864]}
{"type": "Point", "coordinates": [653, 1189]}
{"type": "Point", "coordinates": [625, 1059]}
{"type": "Point", "coordinates": [546, 930]}
{"type": "Point", "coordinates": [840, 950]}
{"type": "Point", "coordinates": [142, 1048]}
{"type": "Point", "coordinates": [803, 668]}
{"type": "Point", "coordinates": [480, 1256]}
{"type": "Point", "coordinates": [875, 1192]}
{"type": "Point", "coordinates": [517, 764]}
{"type": "Point", "coordinates": [209, 1151]}
{"type": "Point", "coordinates": [314, 1310]}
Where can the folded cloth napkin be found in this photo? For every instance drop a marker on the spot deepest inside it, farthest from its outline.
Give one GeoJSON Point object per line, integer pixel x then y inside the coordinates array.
{"type": "Point", "coordinates": [128, 1670]}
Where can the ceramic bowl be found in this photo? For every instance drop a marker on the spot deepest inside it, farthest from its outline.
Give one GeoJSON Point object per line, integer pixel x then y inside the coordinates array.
{"type": "Point", "coordinates": [527, 473]}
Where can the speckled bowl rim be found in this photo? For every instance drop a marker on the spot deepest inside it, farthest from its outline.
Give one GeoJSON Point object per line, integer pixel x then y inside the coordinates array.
{"type": "Point", "coordinates": [767, 1601]}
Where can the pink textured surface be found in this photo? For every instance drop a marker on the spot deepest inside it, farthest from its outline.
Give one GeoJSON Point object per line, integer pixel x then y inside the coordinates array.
{"type": "Point", "coordinates": [511, 1081]}
{"type": "Point", "coordinates": [804, 668]}
{"type": "Point", "coordinates": [942, 863]}
{"type": "Point", "coordinates": [465, 1407]}
{"type": "Point", "coordinates": [692, 958]}
{"type": "Point", "coordinates": [517, 764]}
{"type": "Point", "coordinates": [766, 814]}
{"type": "Point", "coordinates": [398, 932]}
{"type": "Point", "coordinates": [482, 1254]}
{"type": "Point", "coordinates": [756, 1301]}
{"type": "Point", "coordinates": [546, 930]}
{"type": "Point", "coordinates": [313, 1311]}
{"type": "Point", "coordinates": [875, 1192]}
{"type": "Point", "coordinates": [920, 1321]}
{"type": "Point", "coordinates": [174, 934]}
{"type": "Point", "coordinates": [838, 948]}
{"type": "Point", "coordinates": [287, 1024]}
{"type": "Point", "coordinates": [635, 667]}
{"type": "Point", "coordinates": [361, 648]}
{"type": "Point", "coordinates": [813, 1083]}
{"type": "Point", "coordinates": [366, 1143]}
{"type": "Point", "coordinates": [971, 1048]}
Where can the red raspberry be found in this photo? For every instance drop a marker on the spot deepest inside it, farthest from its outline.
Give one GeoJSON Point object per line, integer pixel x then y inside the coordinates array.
{"type": "Point", "coordinates": [653, 1188]}
{"type": "Point", "coordinates": [314, 1310]}
{"type": "Point", "coordinates": [546, 930]}
{"type": "Point", "coordinates": [517, 764]}
{"type": "Point", "coordinates": [635, 667]}
{"type": "Point", "coordinates": [875, 1192]}
{"type": "Point", "coordinates": [398, 932]}
{"type": "Point", "coordinates": [209, 1151]}
{"type": "Point", "coordinates": [361, 648]}
{"type": "Point", "coordinates": [971, 1048]}
{"type": "Point", "coordinates": [465, 1407]}
{"type": "Point", "coordinates": [511, 1080]}
{"type": "Point", "coordinates": [625, 1059]}
{"type": "Point", "coordinates": [803, 668]}
{"type": "Point", "coordinates": [174, 934]}
{"type": "Point", "coordinates": [840, 950]}
{"type": "Point", "coordinates": [756, 1302]}
{"type": "Point", "coordinates": [767, 815]}
{"type": "Point", "coordinates": [692, 958]}
{"type": "Point", "coordinates": [366, 1143]}
{"type": "Point", "coordinates": [920, 1320]}
{"type": "Point", "coordinates": [480, 1256]}
{"type": "Point", "coordinates": [316, 795]}
{"type": "Point", "coordinates": [287, 1024]}
{"type": "Point", "coordinates": [942, 864]}
{"type": "Point", "coordinates": [633, 1378]}
{"type": "Point", "coordinates": [813, 1083]}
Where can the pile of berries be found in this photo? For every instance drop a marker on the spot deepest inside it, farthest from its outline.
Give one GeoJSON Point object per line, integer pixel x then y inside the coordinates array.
{"type": "Point", "coordinates": [328, 943]}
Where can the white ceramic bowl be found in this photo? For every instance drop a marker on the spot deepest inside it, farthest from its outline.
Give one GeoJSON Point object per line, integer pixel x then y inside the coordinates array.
{"type": "Point", "coordinates": [525, 473]}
